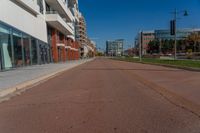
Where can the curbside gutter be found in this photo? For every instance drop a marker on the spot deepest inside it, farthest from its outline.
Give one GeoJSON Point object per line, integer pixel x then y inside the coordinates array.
{"type": "Point", "coordinates": [7, 93]}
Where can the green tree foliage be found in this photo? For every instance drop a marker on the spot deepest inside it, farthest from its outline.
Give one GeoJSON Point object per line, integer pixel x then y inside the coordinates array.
{"type": "Point", "coordinates": [194, 41]}
{"type": "Point", "coordinates": [153, 46]}
{"type": "Point", "coordinates": [99, 54]}
{"type": "Point", "coordinates": [167, 46]}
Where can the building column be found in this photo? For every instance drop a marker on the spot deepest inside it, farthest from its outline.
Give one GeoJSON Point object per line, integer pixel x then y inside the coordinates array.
{"type": "Point", "coordinates": [73, 54]}
{"type": "Point", "coordinates": [54, 46]}
{"type": "Point", "coordinates": [62, 49]}
{"type": "Point", "coordinates": [65, 53]}
{"type": "Point", "coordinates": [68, 49]}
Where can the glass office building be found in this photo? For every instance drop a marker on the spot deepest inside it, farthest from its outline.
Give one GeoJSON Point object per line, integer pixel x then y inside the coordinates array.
{"type": "Point", "coordinates": [165, 34]}
{"type": "Point", "coordinates": [115, 48]}
{"type": "Point", "coordinates": [20, 49]}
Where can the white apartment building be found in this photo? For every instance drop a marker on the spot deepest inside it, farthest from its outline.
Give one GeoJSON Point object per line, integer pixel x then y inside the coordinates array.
{"type": "Point", "coordinates": [86, 45]}
{"type": "Point", "coordinates": [37, 32]}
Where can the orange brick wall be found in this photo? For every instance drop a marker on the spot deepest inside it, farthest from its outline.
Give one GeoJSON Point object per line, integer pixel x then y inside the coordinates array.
{"type": "Point", "coordinates": [66, 54]}
{"type": "Point", "coordinates": [54, 47]}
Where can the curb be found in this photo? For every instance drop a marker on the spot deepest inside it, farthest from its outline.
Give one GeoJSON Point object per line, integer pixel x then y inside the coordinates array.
{"type": "Point", "coordinates": [173, 66]}
{"type": "Point", "coordinates": [38, 80]}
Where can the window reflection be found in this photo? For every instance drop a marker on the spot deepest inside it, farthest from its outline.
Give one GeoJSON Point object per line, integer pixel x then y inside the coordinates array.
{"type": "Point", "coordinates": [34, 55]}
{"type": "Point", "coordinates": [26, 50]}
{"type": "Point", "coordinates": [18, 49]}
{"type": "Point", "coordinates": [17, 43]}
{"type": "Point", "coordinates": [5, 48]}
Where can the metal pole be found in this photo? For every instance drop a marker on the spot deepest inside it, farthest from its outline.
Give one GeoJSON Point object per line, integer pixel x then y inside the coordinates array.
{"type": "Point", "coordinates": [140, 47]}
{"type": "Point", "coordinates": [132, 50]}
{"type": "Point", "coordinates": [195, 42]}
{"type": "Point", "coordinates": [175, 41]}
{"type": "Point", "coordinates": [160, 47]}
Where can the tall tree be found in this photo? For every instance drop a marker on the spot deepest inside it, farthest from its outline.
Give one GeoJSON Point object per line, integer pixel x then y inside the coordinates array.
{"type": "Point", "coordinates": [153, 46]}
{"type": "Point", "coordinates": [194, 40]}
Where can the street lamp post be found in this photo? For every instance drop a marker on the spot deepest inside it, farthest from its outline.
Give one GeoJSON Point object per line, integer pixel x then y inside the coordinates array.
{"type": "Point", "coordinates": [160, 46]}
{"type": "Point", "coordinates": [175, 41]}
{"type": "Point", "coordinates": [140, 46]}
{"type": "Point", "coordinates": [132, 51]}
{"type": "Point", "coordinates": [175, 31]}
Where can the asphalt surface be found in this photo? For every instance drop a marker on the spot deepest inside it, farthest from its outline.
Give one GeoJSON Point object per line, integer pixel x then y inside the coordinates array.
{"type": "Point", "coordinates": [102, 96]}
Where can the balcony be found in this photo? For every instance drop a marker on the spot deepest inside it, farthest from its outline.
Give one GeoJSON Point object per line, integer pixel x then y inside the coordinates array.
{"type": "Point", "coordinates": [58, 23]}
{"type": "Point", "coordinates": [71, 26]}
{"type": "Point", "coordinates": [68, 47]}
{"type": "Point", "coordinates": [81, 26]}
{"type": "Point", "coordinates": [74, 49]}
{"type": "Point", "coordinates": [60, 45]}
{"type": "Point", "coordinates": [76, 14]}
{"type": "Point", "coordinates": [30, 6]}
{"type": "Point", "coordinates": [71, 36]}
{"type": "Point", "coordinates": [73, 1]}
{"type": "Point", "coordinates": [61, 7]}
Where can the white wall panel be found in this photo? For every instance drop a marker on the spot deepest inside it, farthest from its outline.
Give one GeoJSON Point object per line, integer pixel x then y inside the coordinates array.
{"type": "Point", "coordinates": [21, 19]}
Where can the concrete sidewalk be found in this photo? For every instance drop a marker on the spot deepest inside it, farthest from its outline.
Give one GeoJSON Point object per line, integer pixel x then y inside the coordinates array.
{"type": "Point", "coordinates": [11, 81]}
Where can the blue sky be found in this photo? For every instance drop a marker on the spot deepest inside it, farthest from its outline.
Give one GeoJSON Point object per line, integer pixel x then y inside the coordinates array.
{"type": "Point", "coordinates": [114, 19]}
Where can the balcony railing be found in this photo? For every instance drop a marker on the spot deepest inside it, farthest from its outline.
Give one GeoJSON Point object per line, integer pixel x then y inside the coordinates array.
{"type": "Point", "coordinates": [52, 12]}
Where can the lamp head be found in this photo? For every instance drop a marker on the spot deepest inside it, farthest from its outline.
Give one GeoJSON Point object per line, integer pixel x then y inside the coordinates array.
{"type": "Point", "coordinates": [186, 13]}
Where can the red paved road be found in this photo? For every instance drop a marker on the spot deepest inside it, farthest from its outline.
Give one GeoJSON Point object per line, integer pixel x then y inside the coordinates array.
{"type": "Point", "coordinates": [102, 96]}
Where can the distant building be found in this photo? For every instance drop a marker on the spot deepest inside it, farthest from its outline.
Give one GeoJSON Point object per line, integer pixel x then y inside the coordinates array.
{"type": "Point", "coordinates": [180, 34]}
{"type": "Point", "coordinates": [87, 46]}
{"type": "Point", "coordinates": [130, 52]}
{"type": "Point", "coordinates": [81, 35]}
{"type": "Point", "coordinates": [91, 46]}
{"type": "Point", "coordinates": [115, 48]}
{"type": "Point", "coordinates": [145, 38]}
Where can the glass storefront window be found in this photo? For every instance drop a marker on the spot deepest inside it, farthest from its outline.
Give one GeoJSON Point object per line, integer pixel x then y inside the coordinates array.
{"type": "Point", "coordinates": [18, 49]}
{"type": "Point", "coordinates": [44, 53]}
{"type": "Point", "coordinates": [17, 43]}
{"type": "Point", "coordinates": [47, 58]}
{"type": "Point", "coordinates": [34, 51]}
{"type": "Point", "coordinates": [26, 50]}
{"type": "Point", "coordinates": [5, 48]}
